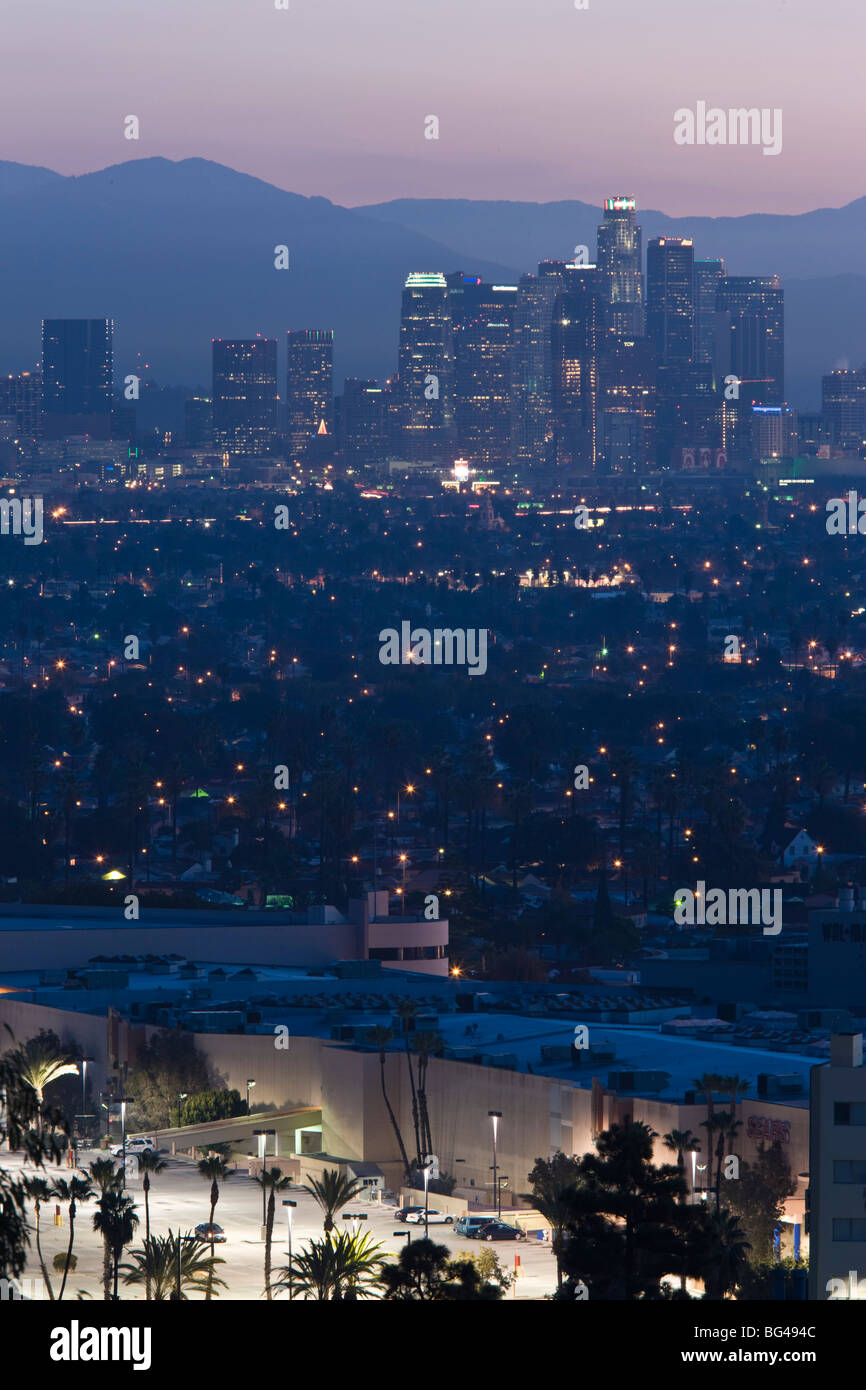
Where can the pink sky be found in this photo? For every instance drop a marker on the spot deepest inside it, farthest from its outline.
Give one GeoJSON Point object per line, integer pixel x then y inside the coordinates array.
{"type": "Point", "coordinates": [536, 99]}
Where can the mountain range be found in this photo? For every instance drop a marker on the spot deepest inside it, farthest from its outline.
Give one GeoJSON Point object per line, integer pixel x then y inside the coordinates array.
{"type": "Point", "coordinates": [179, 252]}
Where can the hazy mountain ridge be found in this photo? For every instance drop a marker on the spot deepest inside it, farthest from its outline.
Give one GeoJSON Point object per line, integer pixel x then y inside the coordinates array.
{"type": "Point", "coordinates": [182, 251]}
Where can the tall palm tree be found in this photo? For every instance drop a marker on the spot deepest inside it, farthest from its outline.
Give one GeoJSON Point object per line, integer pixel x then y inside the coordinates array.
{"type": "Point", "coordinates": [727, 1127]}
{"type": "Point", "coordinates": [423, 1045]}
{"type": "Point", "coordinates": [555, 1202]}
{"type": "Point", "coordinates": [75, 1191]}
{"type": "Point", "coordinates": [149, 1163]}
{"type": "Point", "coordinates": [708, 1084]}
{"type": "Point", "coordinates": [39, 1192]}
{"type": "Point", "coordinates": [735, 1087]}
{"type": "Point", "coordinates": [105, 1178]}
{"type": "Point", "coordinates": [333, 1191]}
{"type": "Point", "coordinates": [382, 1037]}
{"type": "Point", "coordinates": [214, 1170]}
{"type": "Point", "coordinates": [116, 1222]}
{"type": "Point", "coordinates": [336, 1267]}
{"type": "Point", "coordinates": [156, 1266]}
{"type": "Point", "coordinates": [272, 1182]}
{"type": "Point", "coordinates": [406, 1010]}
{"type": "Point", "coordinates": [681, 1142]}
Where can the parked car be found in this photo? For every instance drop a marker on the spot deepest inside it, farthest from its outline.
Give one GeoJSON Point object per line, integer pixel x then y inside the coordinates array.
{"type": "Point", "coordinates": [470, 1225]}
{"type": "Point", "coordinates": [500, 1230]}
{"type": "Point", "coordinates": [403, 1213]}
{"type": "Point", "coordinates": [203, 1232]}
{"type": "Point", "coordinates": [433, 1218]}
{"type": "Point", "coordinates": [133, 1146]}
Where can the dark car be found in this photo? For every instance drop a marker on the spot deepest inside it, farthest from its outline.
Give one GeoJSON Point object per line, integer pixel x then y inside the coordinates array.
{"type": "Point", "coordinates": [402, 1212]}
{"type": "Point", "coordinates": [471, 1225]}
{"type": "Point", "coordinates": [500, 1230]}
{"type": "Point", "coordinates": [203, 1232]}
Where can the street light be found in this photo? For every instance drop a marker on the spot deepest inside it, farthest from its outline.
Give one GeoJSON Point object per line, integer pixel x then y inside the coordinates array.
{"type": "Point", "coordinates": [290, 1206]}
{"type": "Point", "coordinates": [181, 1097]}
{"type": "Point", "coordinates": [496, 1116]}
{"type": "Point", "coordinates": [250, 1084]}
{"type": "Point", "coordinates": [355, 1216]}
{"type": "Point", "coordinates": [407, 1233]}
{"type": "Point", "coordinates": [84, 1065]}
{"type": "Point", "coordinates": [123, 1102]}
{"type": "Point", "coordinates": [262, 1136]}
{"type": "Point", "coordinates": [427, 1166]}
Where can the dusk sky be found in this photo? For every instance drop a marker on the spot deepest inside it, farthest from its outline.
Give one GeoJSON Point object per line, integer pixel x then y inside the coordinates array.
{"type": "Point", "coordinates": [536, 100]}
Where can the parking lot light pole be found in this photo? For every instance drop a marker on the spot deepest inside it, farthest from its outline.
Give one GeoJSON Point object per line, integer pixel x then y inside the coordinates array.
{"type": "Point", "coordinates": [289, 1206]}
{"type": "Point", "coordinates": [407, 1233]}
{"type": "Point", "coordinates": [495, 1116]}
{"type": "Point", "coordinates": [181, 1097]}
{"type": "Point", "coordinates": [262, 1136]}
{"type": "Point", "coordinates": [426, 1197]}
{"type": "Point", "coordinates": [251, 1081]}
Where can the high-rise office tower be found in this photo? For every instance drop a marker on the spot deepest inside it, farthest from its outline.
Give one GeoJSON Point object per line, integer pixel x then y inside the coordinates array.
{"type": "Point", "coordinates": [482, 319]}
{"type": "Point", "coordinates": [362, 423]}
{"type": "Point", "coordinates": [531, 427]}
{"type": "Point", "coordinates": [844, 409]}
{"type": "Point", "coordinates": [245, 395]}
{"type": "Point", "coordinates": [755, 305]}
{"type": "Point", "coordinates": [197, 420]}
{"type": "Point", "coordinates": [578, 337]}
{"type": "Point", "coordinates": [707, 277]}
{"type": "Point", "coordinates": [628, 405]}
{"type": "Point", "coordinates": [426, 367]}
{"type": "Point", "coordinates": [21, 397]}
{"type": "Point", "coordinates": [619, 260]}
{"type": "Point", "coordinates": [77, 375]}
{"type": "Point", "coordinates": [309, 388]}
{"type": "Point", "coordinates": [670, 282]}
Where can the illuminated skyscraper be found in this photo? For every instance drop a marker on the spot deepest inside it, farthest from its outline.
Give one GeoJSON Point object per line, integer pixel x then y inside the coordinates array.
{"type": "Point", "coordinates": [245, 395]}
{"type": "Point", "coordinates": [708, 275]}
{"type": "Point", "coordinates": [362, 423]}
{"type": "Point", "coordinates": [619, 260]}
{"type": "Point", "coordinates": [482, 317]}
{"type": "Point", "coordinates": [426, 367]}
{"type": "Point", "coordinates": [21, 397]}
{"type": "Point", "coordinates": [671, 299]}
{"type": "Point", "coordinates": [77, 376]}
{"type": "Point", "coordinates": [755, 305]}
{"type": "Point", "coordinates": [578, 338]}
{"type": "Point", "coordinates": [309, 388]}
{"type": "Point", "coordinates": [844, 409]}
{"type": "Point", "coordinates": [628, 405]}
{"type": "Point", "coordinates": [532, 431]}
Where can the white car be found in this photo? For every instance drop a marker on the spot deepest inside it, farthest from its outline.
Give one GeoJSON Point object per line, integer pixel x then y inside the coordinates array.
{"type": "Point", "coordinates": [133, 1146]}
{"type": "Point", "coordinates": [434, 1218]}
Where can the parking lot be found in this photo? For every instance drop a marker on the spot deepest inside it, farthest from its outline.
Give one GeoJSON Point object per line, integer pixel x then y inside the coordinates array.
{"type": "Point", "coordinates": [179, 1198]}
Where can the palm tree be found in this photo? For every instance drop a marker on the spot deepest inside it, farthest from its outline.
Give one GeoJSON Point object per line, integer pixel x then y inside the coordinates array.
{"type": "Point", "coordinates": [681, 1142]}
{"type": "Point", "coordinates": [424, 1044]}
{"type": "Point", "coordinates": [39, 1192]}
{"type": "Point", "coordinates": [736, 1088]}
{"type": "Point", "coordinates": [149, 1162]}
{"type": "Point", "coordinates": [382, 1037]}
{"type": "Point", "coordinates": [708, 1084]}
{"type": "Point", "coordinates": [340, 1266]}
{"type": "Point", "coordinates": [75, 1191]}
{"type": "Point", "coordinates": [38, 1065]}
{"type": "Point", "coordinates": [727, 1126]}
{"type": "Point", "coordinates": [214, 1170]}
{"type": "Point", "coordinates": [272, 1182]}
{"type": "Point", "coordinates": [105, 1178]}
{"type": "Point", "coordinates": [115, 1221]}
{"type": "Point", "coordinates": [723, 1248]}
{"type": "Point", "coordinates": [156, 1266]}
{"type": "Point", "coordinates": [333, 1191]}
{"type": "Point", "coordinates": [406, 1010]}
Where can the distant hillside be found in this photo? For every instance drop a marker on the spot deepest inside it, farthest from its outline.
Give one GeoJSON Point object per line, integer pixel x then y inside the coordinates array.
{"type": "Point", "coordinates": [182, 252]}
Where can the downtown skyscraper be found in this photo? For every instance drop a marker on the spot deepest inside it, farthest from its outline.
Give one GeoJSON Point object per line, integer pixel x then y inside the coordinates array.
{"type": "Point", "coordinates": [309, 388]}
{"type": "Point", "coordinates": [671, 299]}
{"type": "Point", "coordinates": [77, 377]}
{"type": "Point", "coordinates": [426, 368]}
{"type": "Point", "coordinates": [245, 396]}
{"type": "Point", "coordinates": [620, 263]}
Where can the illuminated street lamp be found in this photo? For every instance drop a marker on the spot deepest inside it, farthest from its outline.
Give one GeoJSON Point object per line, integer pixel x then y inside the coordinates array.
{"type": "Point", "coordinates": [496, 1116]}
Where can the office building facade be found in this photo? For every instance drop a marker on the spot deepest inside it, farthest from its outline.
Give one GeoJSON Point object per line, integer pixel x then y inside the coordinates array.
{"type": "Point", "coordinates": [77, 377]}
{"type": "Point", "coordinates": [245, 396]}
